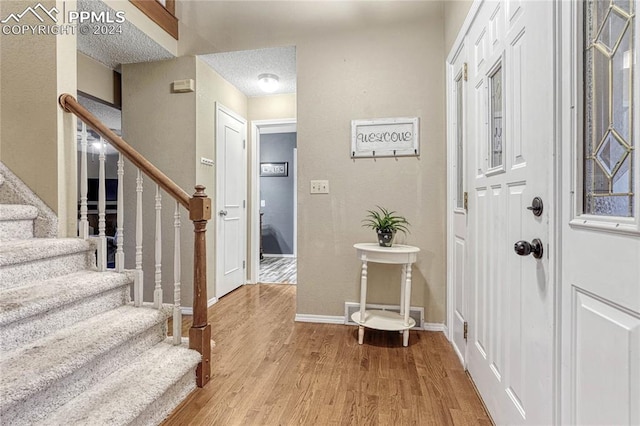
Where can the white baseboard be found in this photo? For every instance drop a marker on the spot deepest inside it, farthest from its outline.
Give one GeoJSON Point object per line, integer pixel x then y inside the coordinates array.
{"type": "Point", "coordinates": [435, 326]}
{"type": "Point", "coordinates": [188, 310]}
{"type": "Point", "coordinates": [320, 319]}
{"type": "Point", "coordinates": [279, 255]}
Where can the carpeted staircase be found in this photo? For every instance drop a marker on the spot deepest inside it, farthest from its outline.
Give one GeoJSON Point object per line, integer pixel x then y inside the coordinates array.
{"type": "Point", "coordinates": [74, 350]}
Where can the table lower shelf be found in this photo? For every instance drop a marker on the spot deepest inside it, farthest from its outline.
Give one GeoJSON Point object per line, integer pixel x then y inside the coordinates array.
{"type": "Point", "coordinates": [383, 320]}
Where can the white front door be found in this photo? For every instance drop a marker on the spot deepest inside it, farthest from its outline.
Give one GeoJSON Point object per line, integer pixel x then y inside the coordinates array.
{"type": "Point", "coordinates": [231, 187]}
{"type": "Point", "coordinates": [601, 214]}
{"type": "Point", "coordinates": [457, 254]}
{"type": "Point", "coordinates": [510, 105]}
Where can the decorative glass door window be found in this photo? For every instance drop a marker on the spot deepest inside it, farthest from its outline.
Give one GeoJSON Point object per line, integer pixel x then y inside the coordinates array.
{"type": "Point", "coordinates": [459, 146]}
{"type": "Point", "coordinates": [608, 107]}
{"type": "Point", "coordinates": [495, 119]}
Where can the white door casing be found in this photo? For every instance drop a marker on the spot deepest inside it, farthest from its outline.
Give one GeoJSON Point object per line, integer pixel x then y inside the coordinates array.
{"type": "Point", "coordinates": [231, 189]}
{"type": "Point", "coordinates": [510, 140]}
{"type": "Point", "coordinates": [259, 127]}
{"type": "Point", "coordinates": [600, 313]}
{"type": "Point", "coordinates": [457, 215]}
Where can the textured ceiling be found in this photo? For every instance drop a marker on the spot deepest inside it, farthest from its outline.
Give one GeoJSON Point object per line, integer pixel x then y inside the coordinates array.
{"type": "Point", "coordinates": [243, 68]}
{"type": "Point", "coordinates": [132, 46]}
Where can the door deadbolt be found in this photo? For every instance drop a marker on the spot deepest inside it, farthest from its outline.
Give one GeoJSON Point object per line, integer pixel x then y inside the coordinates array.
{"type": "Point", "coordinates": [536, 206]}
{"type": "Point", "coordinates": [524, 248]}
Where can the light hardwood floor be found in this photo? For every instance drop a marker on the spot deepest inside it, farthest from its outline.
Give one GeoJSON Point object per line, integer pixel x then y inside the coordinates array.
{"type": "Point", "coordinates": [269, 370]}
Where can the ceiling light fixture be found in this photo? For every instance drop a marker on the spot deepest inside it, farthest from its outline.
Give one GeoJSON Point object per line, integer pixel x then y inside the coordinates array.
{"type": "Point", "coordinates": [268, 82]}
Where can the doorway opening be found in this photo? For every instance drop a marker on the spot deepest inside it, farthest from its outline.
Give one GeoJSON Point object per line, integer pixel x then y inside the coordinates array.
{"type": "Point", "coordinates": [274, 212]}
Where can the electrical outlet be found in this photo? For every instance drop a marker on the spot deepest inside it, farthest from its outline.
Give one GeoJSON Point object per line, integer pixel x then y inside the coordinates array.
{"type": "Point", "coordinates": [319, 186]}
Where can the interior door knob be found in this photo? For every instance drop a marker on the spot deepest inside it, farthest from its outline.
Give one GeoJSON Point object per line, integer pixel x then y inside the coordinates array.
{"type": "Point", "coordinates": [222, 212]}
{"type": "Point", "coordinates": [524, 248]}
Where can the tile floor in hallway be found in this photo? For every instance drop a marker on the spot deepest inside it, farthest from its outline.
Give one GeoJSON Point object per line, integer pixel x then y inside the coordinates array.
{"type": "Point", "coordinates": [282, 270]}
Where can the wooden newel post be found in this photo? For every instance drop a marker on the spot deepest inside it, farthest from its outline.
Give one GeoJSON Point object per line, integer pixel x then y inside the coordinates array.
{"type": "Point", "coordinates": [200, 331]}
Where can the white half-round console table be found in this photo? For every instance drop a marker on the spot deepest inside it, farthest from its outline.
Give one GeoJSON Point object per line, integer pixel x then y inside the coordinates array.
{"type": "Point", "coordinates": [385, 320]}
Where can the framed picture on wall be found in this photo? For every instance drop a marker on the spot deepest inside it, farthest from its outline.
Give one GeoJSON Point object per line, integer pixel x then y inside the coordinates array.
{"type": "Point", "coordinates": [274, 169]}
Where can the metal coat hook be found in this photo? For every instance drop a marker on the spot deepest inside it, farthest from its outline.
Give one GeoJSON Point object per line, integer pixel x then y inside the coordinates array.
{"type": "Point", "coordinates": [374, 153]}
{"type": "Point", "coordinates": [394, 152]}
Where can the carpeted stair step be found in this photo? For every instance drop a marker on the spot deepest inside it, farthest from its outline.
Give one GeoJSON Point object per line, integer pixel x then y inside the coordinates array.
{"type": "Point", "coordinates": [40, 377]}
{"type": "Point", "coordinates": [22, 261]}
{"type": "Point", "coordinates": [16, 221]}
{"type": "Point", "coordinates": [34, 310]}
{"type": "Point", "coordinates": [143, 393]}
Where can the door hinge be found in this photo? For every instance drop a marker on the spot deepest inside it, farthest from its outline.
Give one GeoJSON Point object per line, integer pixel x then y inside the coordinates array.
{"type": "Point", "coordinates": [466, 201]}
{"type": "Point", "coordinates": [464, 72]}
{"type": "Point", "coordinates": [466, 330]}
{"type": "Point", "coordinates": [244, 144]}
{"type": "Point", "coordinates": [244, 264]}
{"type": "Point", "coordinates": [244, 204]}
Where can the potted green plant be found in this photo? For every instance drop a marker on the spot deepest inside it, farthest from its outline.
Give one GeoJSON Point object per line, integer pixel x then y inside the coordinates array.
{"type": "Point", "coordinates": [386, 223]}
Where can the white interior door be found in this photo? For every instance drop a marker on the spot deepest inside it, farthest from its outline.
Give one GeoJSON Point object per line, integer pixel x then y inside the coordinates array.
{"type": "Point", "coordinates": [511, 132]}
{"type": "Point", "coordinates": [457, 255]}
{"type": "Point", "coordinates": [231, 187]}
{"type": "Point", "coordinates": [601, 214]}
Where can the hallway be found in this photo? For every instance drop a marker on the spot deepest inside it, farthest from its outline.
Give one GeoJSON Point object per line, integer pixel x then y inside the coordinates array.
{"type": "Point", "coordinates": [269, 370]}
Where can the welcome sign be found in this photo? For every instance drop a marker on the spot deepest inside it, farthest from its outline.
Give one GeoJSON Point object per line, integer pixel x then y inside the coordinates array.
{"type": "Point", "coordinates": [386, 137]}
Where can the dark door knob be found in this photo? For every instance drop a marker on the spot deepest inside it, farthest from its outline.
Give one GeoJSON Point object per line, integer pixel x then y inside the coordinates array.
{"type": "Point", "coordinates": [536, 206]}
{"type": "Point", "coordinates": [524, 248]}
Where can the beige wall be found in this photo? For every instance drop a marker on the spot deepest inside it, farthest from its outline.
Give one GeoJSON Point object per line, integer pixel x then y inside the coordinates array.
{"type": "Point", "coordinates": [376, 73]}
{"type": "Point", "coordinates": [37, 138]}
{"type": "Point", "coordinates": [390, 68]}
{"type": "Point", "coordinates": [272, 107]}
{"type": "Point", "coordinates": [95, 79]}
{"type": "Point", "coordinates": [455, 12]}
{"type": "Point", "coordinates": [173, 130]}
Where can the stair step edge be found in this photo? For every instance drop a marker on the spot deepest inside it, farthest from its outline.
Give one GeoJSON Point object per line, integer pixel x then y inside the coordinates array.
{"type": "Point", "coordinates": [122, 399]}
{"type": "Point", "coordinates": [36, 297]}
{"type": "Point", "coordinates": [77, 346]}
{"type": "Point", "coordinates": [9, 212]}
{"type": "Point", "coordinates": [23, 251]}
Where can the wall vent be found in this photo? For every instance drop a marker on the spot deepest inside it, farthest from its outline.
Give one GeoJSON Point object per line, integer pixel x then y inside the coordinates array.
{"type": "Point", "coordinates": [416, 313]}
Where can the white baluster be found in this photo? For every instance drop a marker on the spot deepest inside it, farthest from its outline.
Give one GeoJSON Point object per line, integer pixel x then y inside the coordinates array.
{"type": "Point", "coordinates": [177, 313]}
{"type": "Point", "coordinates": [120, 217]}
{"type": "Point", "coordinates": [83, 228]}
{"type": "Point", "coordinates": [102, 207]}
{"type": "Point", "coordinates": [139, 276]}
{"type": "Point", "coordinates": [157, 293]}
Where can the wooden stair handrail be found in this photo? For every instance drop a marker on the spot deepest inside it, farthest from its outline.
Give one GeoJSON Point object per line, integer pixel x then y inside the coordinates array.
{"type": "Point", "coordinates": [70, 104]}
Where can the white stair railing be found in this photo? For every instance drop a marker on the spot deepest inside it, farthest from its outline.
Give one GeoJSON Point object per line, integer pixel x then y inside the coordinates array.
{"type": "Point", "coordinates": [177, 313]}
{"type": "Point", "coordinates": [102, 210]}
{"type": "Point", "coordinates": [198, 206]}
{"type": "Point", "coordinates": [83, 225]}
{"type": "Point", "coordinates": [138, 290]}
{"type": "Point", "coordinates": [157, 292]}
{"type": "Point", "coordinates": [120, 217]}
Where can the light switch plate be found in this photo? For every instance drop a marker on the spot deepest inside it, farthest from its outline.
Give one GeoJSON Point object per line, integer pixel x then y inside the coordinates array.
{"type": "Point", "coordinates": [319, 186]}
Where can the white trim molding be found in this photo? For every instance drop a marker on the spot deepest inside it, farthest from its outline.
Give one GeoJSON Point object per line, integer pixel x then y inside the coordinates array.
{"type": "Point", "coordinates": [188, 310]}
{"type": "Point", "coordinates": [320, 319]}
{"type": "Point", "coordinates": [259, 127]}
